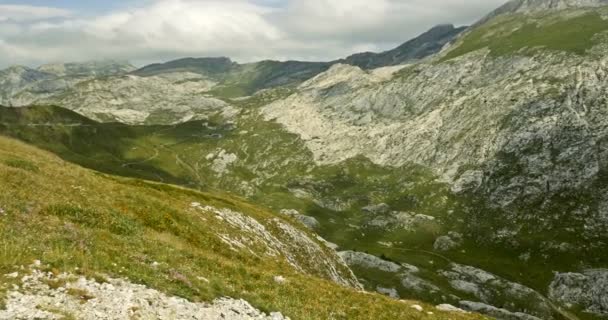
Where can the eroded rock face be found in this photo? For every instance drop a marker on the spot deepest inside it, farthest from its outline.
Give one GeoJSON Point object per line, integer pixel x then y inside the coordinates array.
{"type": "Point", "coordinates": [431, 114]}
{"type": "Point", "coordinates": [587, 290]}
{"type": "Point", "coordinates": [512, 130]}
{"type": "Point", "coordinates": [279, 239]}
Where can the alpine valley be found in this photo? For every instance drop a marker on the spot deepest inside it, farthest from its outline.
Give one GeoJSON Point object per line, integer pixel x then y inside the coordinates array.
{"type": "Point", "coordinates": [466, 169]}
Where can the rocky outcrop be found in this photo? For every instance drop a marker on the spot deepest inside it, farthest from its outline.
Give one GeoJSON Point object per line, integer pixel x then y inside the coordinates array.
{"type": "Point", "coordinates": [498, 313]}
{"type": "Point", "coordinates": [536, 6]}
{"type": "Point", "coordinates": [390, 292]}
{"type": "Point", "coordinates": [491, 290]}
{"type": "Point", "coordinates": [279, 239]}
{"type": "Point", "coordinates": [368, 261]}
{"type": "Point", "coordinates": [528, 6]}
{"type": "Point", "coordinates": [81, 298]}
{"type": "Point", "coordinates": [14, 79]}
{"type": "Point", "coordinates": [397, 220]}
{"type": "Point", "coordinates": [308, 221]}
{"type": "Point", "coordinates": [448, 242]}
{"type": "Point", "coordinates": [587, 290]}
{"type": "Point", "coordinates": [134, 100]}
{"type": "Point", "coordinates": [511, 130]}
{"type": "Point", "coordinates": [221, 161]}
{"type": "Point", "coordinates": [428, 113]}
{"type": "Point", "coordinates": [20, 86]}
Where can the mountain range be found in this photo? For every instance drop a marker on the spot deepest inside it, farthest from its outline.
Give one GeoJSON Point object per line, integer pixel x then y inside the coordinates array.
{"type": "Point", "coordinates": [466, 168]}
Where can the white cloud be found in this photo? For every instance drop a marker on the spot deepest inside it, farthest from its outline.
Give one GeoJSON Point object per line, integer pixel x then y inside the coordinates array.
{"type": "Point", "coordinates": [335, 16]}
{"type": "Point", "coordinates": [189, 25]}
{"type": "Point", "coordinates": [17, 12]}
{"type": "Point", "coordinates": [246, 30]}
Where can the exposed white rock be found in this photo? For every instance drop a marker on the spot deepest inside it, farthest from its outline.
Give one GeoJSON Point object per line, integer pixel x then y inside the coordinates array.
{"type": "Point", "coordinates": [134, 100]}
{"type": "Point", "coordinates": [391, 292]}
{"type": "Point", "coordinates": [308, 221]}
{"type": "Point", "coordinates": [328, 244]}
{"type": "Point", "coordinates": [447, 116]}
{"type": "Point", "coordinates": [279, 279]}
{"type": "Point", "coordinates": [468, 181]}
{"type": "Point", "coordinates": [408, 221]}
{"type": "Point", "coordinates": [222, 160]}
{"type": "Point", "coordinates": [491, 289]}
{"type": "Point", "coordinates": [528, 6]}
{"type": "Point", "coordinates": [417, 307]}
{"type": "Point", "coordinates": [449, 308]}
{"type": "Point", "coordinates": [377, 208]}
{"type": "Point", "coordinates": [499, 313]}
{"type": "Point", "coordinates": [448, 242]}
{"type": "Point", "coordinates": [368, 261]}
{"type": "Point", "coordinates": [116, 299]}
{"type": "Point", "coordinates": [300, 250]}
{"type": "Point", "coordinates": [16, 78]}
{"type": "Point", "coordinates": [588, 290]}
{"type": "Point", "coordinates": [410, 268]}
{"type": "Point", "coordinates": [417, 284]}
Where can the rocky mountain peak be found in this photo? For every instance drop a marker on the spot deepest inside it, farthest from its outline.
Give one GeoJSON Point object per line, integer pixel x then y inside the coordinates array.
{"type": "Point", "coordinates": [426, 44]}
{"type": "Point", "coordinates": [531, 6]}
{"type": "Point", "coordinates": [439, 29]}
{"type": "Point", "coordinates": [524, 6]}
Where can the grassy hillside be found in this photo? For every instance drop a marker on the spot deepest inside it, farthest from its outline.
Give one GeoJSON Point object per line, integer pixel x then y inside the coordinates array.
{"type": "Point", "coordinates": [274, 169]}
{"type": "Point", "coordinates": [76, 219]}
{"type": "Point", "coordinates": [574, 32]}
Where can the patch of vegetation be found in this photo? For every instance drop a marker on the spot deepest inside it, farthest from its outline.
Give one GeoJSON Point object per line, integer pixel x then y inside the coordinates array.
{"type": "Point", "coordinates": [275, 169]}
{"type": "Point", "coordinates": [21, 164]}
{"type": "Point", "coordinates": [57, 311]}
{"type": "Point", "coordinates": [81, 294]}
{"type": "Point", "coordinates": [64, 216]}
{"type": "Point", "coordinates": [116, 222]}
{"type": "Point", "coordinates": [506, 35]}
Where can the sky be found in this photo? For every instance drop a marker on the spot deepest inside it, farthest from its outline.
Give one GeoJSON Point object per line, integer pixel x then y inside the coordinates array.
{"type": "Point", "coordinates": [36, 32]}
